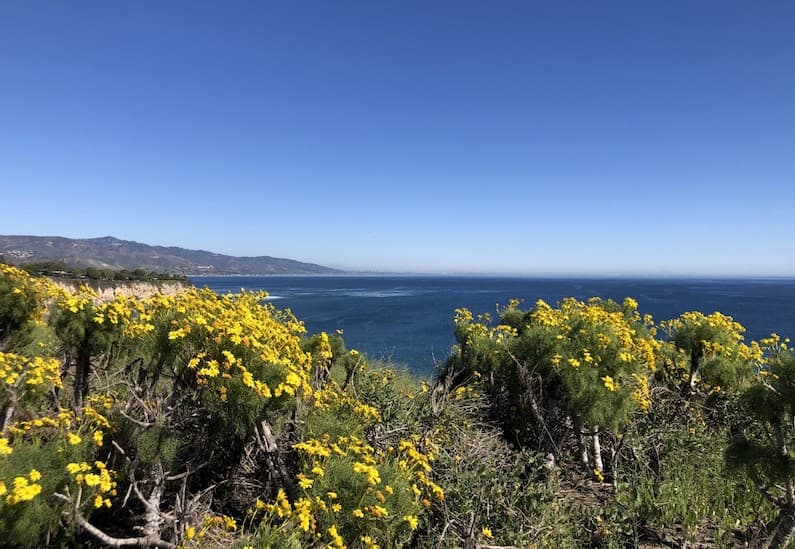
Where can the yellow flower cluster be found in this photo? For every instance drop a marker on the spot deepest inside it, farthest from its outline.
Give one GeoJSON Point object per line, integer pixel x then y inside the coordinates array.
{"type": "Point", "coordinates": [775, 342]}
{"type": "Point", "coordinates": [464, 391]}
{"type": "Point", "coordinates": [324, 348]}
{"type": "Point", "coordinates": [711, 349]}
{"type": "Point", "coordinates": [23, 488]}
{"type": "Point", "coordinates": [66, 424]}
{"type": "Point", "coordinates": [366, 463]}
{"type": "Point", "coordinates": [229, 336]}
{"type": "Point", "coordinates": [118, 311]}
{"type": "Point", "coordinates": [96, 477]}
{"type": "Point", "coordinates": [300, 510]}
{"type": "Point", "coordinates": [614, 340]}
{"type": "Point", "coordinates": [479, 327]}
{"type": "Point", "coordinates": [333, 397]}
{"type": "Point", "coordinates": [221, 529]}
{"type": "Point", "coordinates": [715, 322]}
{"type": "Point", "coordinates": [78, 301]}
{"type": "Point", "coordinates": [35, 374]}
{"type": "Point", "coordinates": [369, 471]}
{"type": "Point", "coordinates": [21, 286]}
{"type": "Point", "coordinates": [61, 420]}
{"type": "Point", "coordinates": [641, 395]}
{"type": "Point", "coordinates": [595, 330]}
{"type": "Point", "coordinates": [336, 539]}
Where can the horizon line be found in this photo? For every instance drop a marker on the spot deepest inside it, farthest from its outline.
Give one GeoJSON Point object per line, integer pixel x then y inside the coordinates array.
{"type": "Point", "coordinates": [347, 271]}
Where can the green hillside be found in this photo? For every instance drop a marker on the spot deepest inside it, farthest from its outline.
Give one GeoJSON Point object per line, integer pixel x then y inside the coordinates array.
{"type": "Point", "coordinates": [112, 253]}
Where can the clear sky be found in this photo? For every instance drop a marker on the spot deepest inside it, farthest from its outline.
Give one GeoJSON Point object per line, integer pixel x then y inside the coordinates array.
{"type": "Point", "coordinates": [638, 137]}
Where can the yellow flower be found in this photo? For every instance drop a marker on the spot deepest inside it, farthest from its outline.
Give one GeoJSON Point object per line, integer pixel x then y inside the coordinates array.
{"type": "Point", "coordinates": [598, 474]}
{"type": "Point", "coordinates": [486, 531]}
{"type": "Point", "coordinates": [337, 540]}
{"type": "Point", "coordinates": [98, 437]}
{"type": "Point", "coordinates": [358, 513]}
{"type": "Point", "coordinates": [190, 532]}
{"type": "Point", "coordinates": [74, 439]}
{"type": "Point", "coordinates": [34, 475]}
{"type": "Point", "coordinates": [412, 520]}
{"type": "Point", "coordinates": [610, 385]}
{"type": "Point", "coordinates": [23, 491]}
{"type": "Point", "coordinates": [5, 449]}
{"type": "Point", "coordinates": [369, 542]}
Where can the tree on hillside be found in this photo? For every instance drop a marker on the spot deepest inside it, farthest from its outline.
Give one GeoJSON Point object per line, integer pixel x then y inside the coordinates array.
{"type": "Point", "coordinates": [713, 353]}
{"type": "Point", "coordinates": [22, 300]}
{"type": "Point", "coordinates": [589, 362]}
{"type": "Point", "coordinates": [86, 330]}
{"type": "Point", "coordinates": [763, 446]}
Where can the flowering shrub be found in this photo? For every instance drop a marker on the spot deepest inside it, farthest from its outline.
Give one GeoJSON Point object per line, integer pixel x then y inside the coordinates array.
{"type": "Point", "coordinates": [712, 353]}
{"type": "Point", "coordinates": [354, 488]}
{"type": "Point", "coordinates": [199, 420]}
{"type": "Point", "coordinates": [236, 354]}
{"type": "Point", "coordinates": [761, 448]}
{"type": "Point", "coordinates": [22, 300]}
{"type": "Point", "coordinates": [602, 353]}
{"type": "Point", "coordinates": [588, 361]}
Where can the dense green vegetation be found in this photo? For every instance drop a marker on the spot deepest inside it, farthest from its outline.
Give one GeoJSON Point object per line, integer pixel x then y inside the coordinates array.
{"type": "Point", "coordinates": [59, 269]}
{"type": "Point", "coordinates": [200, 420]}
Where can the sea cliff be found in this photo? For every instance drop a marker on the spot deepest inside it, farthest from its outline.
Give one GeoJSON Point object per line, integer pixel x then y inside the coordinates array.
{"type": "Point", "coordinates": [108, 289]}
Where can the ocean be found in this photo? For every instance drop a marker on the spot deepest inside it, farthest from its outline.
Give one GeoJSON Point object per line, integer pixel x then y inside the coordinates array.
{"type": "Point", "coordinates": [409, 319]}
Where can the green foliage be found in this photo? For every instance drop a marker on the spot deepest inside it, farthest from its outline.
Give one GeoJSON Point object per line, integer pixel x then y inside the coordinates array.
{"type": "Point", "coordinates": [713, 351]}
{"type": "Point", "coordinates": [587, 361]}
{"type": "Point", "coordinates": [487, 484]}
{"type": "Point", "coordinates": [59, 269]}
{"type": "Point", "coordinates": [27, 522]}
{"type": "Point", "coordinates": [21, 304]}
{"type": "Point", "coordinates": [762, 441]}
{"type": "Point", "coordinates": [216, 410]}
{"type": "Point", "coordinates": [153, 445]}
{"type": "Point", "coordinates": [672, 473]}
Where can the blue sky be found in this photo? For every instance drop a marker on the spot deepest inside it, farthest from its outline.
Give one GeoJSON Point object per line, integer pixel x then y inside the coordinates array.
{"type": "Point", "coordinates": [446, 136]}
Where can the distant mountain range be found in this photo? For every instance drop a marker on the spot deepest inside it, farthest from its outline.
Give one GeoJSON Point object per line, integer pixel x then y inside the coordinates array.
{"type": "Point", "coordinates": [112, 253]}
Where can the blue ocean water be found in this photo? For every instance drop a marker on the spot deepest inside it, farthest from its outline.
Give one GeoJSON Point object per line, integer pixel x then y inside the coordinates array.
{"type": "Point", "coordinates": [410, 318]}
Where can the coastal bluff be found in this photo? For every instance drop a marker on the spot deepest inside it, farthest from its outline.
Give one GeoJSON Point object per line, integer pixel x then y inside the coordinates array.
{"type": "Point", "coordinates": [109, 289]}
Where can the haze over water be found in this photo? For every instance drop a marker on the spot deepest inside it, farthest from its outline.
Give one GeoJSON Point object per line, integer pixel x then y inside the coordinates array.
{"type": "Point", "coordinates": [410, 318]}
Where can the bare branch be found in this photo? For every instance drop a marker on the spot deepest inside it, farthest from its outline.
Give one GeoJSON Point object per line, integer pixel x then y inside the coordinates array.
{"type": "Point", "coordinates": [110, 541]}
{"type": "Point", "coordinates": [138, 422]}
{"type": "Point", "coordinates": [146, 503]}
